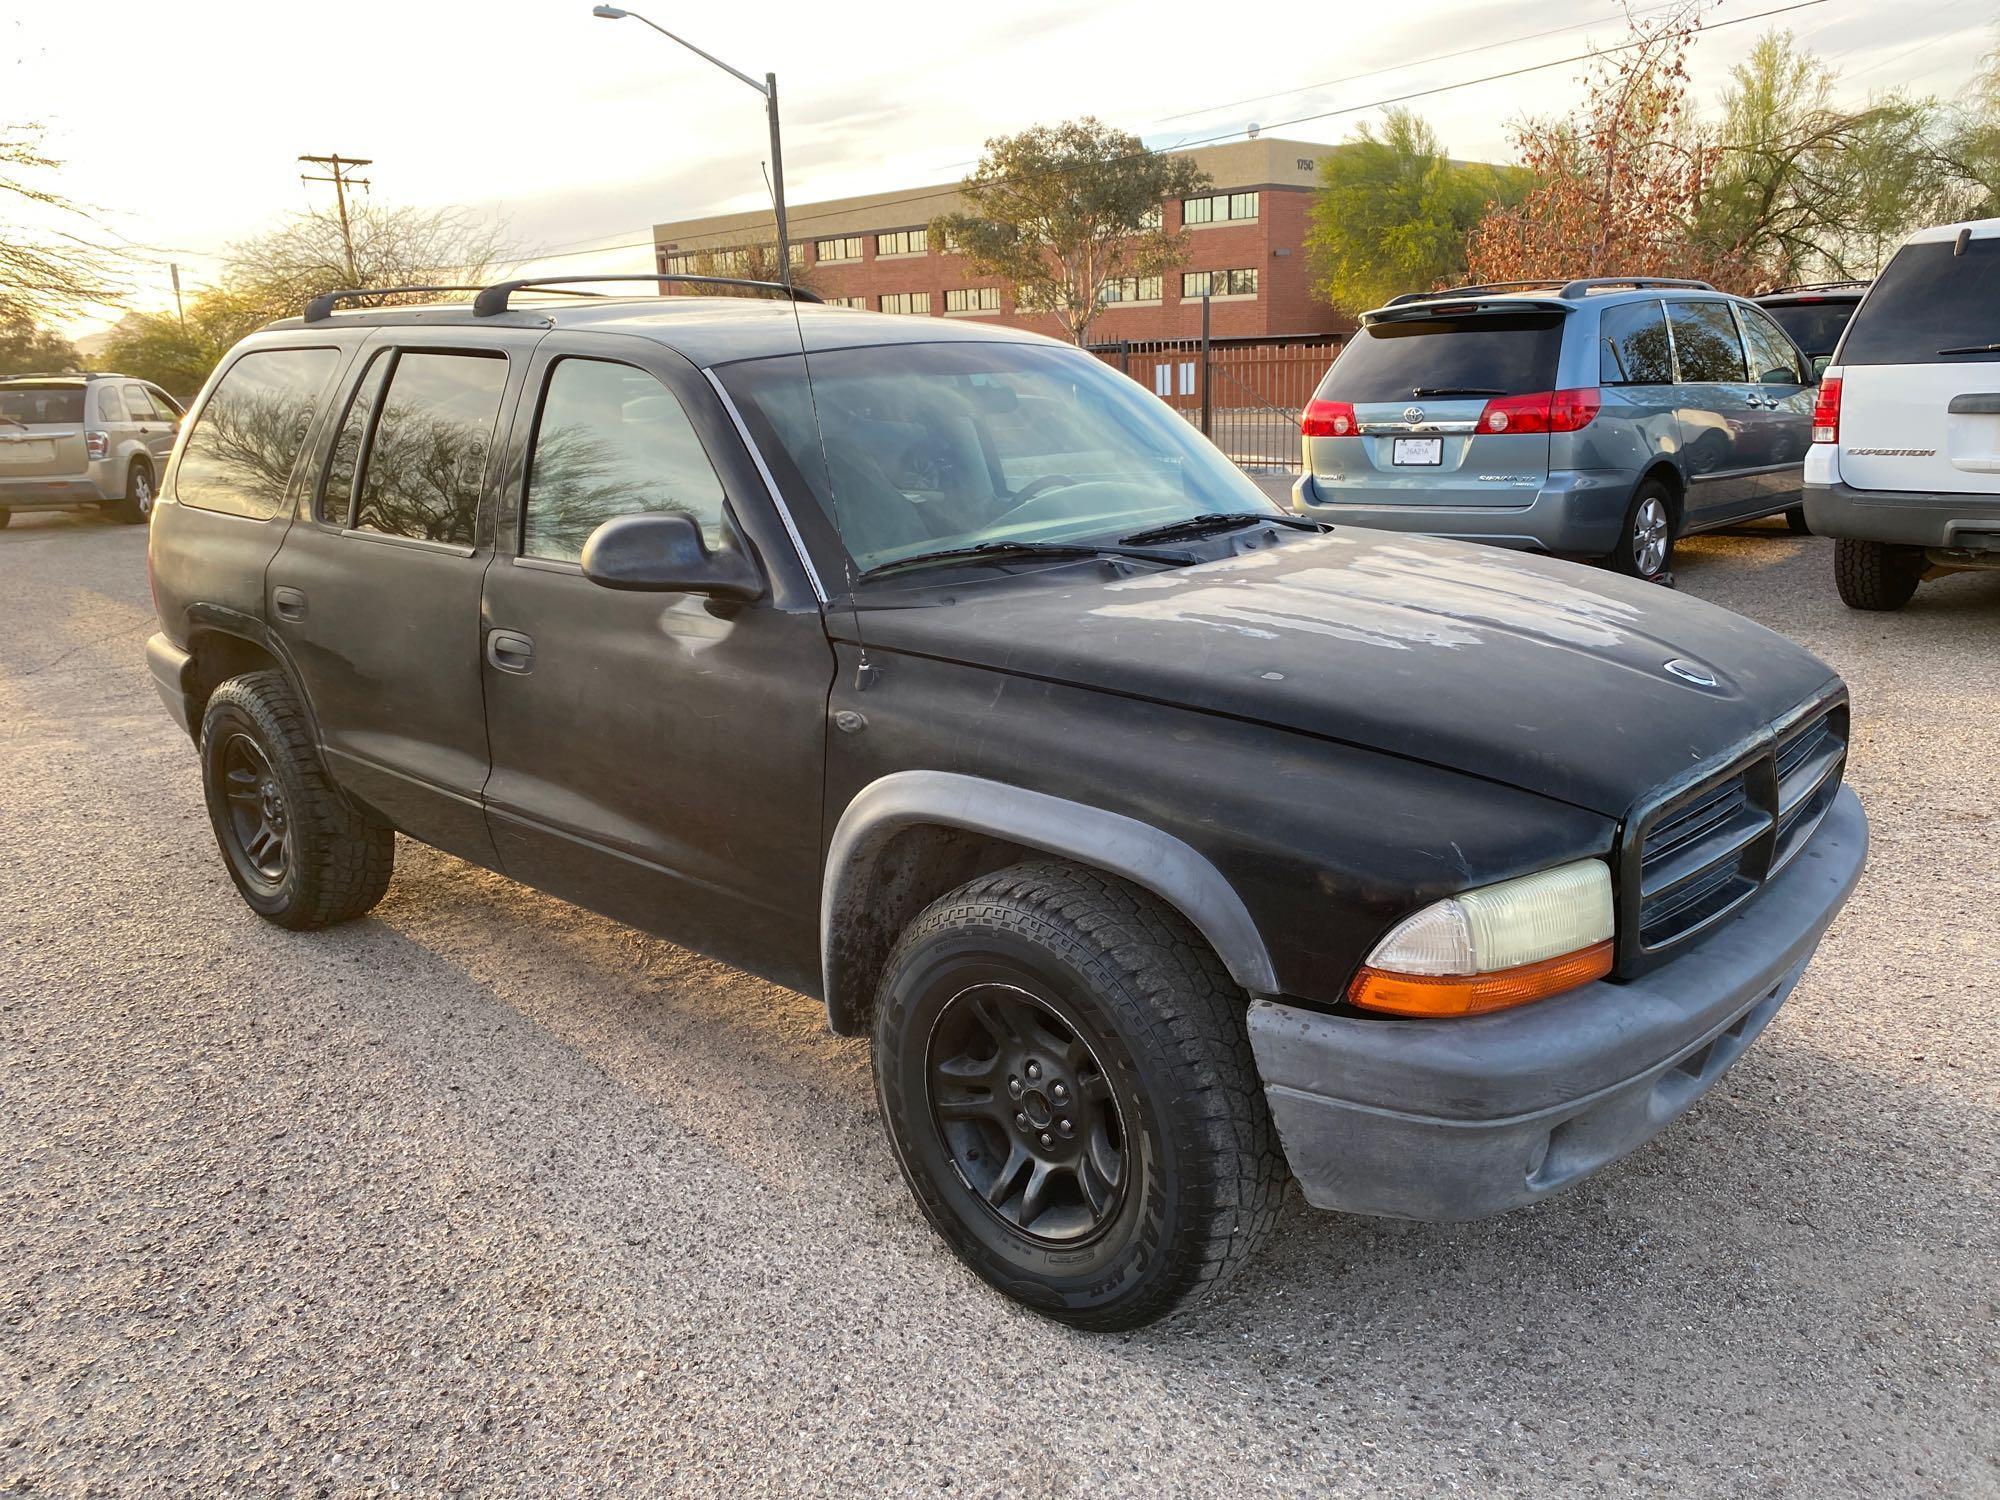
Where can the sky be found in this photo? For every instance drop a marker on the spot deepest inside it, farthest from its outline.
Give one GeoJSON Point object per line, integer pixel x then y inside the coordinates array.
{"type": "Point", "coordinates": [180, 125]}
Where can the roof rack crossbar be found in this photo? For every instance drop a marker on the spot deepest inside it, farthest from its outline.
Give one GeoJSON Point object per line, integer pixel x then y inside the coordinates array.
{"type": "Point", "coordinates": [493, 299]}
{"type": "Point", "coordinates": [1585, 284]}
{"type": "Point", "coordinates": [1484, 286]}
{"type": "Point", "coordinates": [321, 307]}
{"type": "Point", "coordinates": [1816, 286]}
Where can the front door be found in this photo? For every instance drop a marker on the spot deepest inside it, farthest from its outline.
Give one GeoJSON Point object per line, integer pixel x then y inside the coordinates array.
{"type": "Point", "coordinates": [1779, 433]}
{"type": "Point", "coordinates": [656, 756]}
{"type": "Point", "coordinates": [376, 591]}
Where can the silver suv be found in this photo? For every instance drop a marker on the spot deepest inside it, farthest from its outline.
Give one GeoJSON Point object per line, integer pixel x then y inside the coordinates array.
{"type": "Point", "coordinates": [83, 441]}
{"type": "Point", "coordinates": [1599, 418]}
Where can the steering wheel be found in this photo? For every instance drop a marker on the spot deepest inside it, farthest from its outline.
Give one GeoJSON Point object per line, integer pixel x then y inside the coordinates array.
{"type": "Point", "coordinates": [1034, 487]}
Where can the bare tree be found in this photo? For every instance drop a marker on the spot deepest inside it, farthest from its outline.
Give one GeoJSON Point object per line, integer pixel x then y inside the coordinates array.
{"type": "Point", "coordinates": [45, 273]}
{"type": "Point", "coordinates": [307, 254]}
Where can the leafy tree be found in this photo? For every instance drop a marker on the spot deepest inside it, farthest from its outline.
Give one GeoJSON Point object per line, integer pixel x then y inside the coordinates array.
{"type": "Point", "coordinates": [1060, 211]}
{"type": "Point", "coordinates": [178, 353]}
{"type": "Point", "coordinates": [44, 272]}
{"type": "Point", "coordinates": [1393, 211]}
{"type": "Point", "coordinates": [1971, 145]}
{"type": "Point", "coordinates": [26, 346]}
{"type": "Point", "coordinates": [282, 268]}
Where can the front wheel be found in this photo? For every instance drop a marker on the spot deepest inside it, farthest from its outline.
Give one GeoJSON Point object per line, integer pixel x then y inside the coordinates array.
{"type": "Point", "coordinates": [1646, 542]}
{"type": "Point", "coordinates": [1876, 575]}
{"type": "Point", "coordinates": [1066, 1078]}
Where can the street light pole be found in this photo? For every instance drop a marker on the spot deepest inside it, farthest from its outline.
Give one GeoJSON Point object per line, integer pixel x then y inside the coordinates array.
{"type": "Point", "coordinates": [769, 89]}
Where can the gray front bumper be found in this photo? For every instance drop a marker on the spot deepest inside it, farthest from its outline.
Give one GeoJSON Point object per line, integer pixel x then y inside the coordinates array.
{"type": "Point", "coordinates": [1448, 1120]}
{"type": "Point", "coordinates": [1915, 519]}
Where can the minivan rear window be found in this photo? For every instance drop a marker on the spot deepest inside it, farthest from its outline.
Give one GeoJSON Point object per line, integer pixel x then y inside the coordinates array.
{"type": "Point", "coordinates": [41, 405]}
{"type": "Point", "coordinates": [1502, 354]}
{"type": "Point", "coordinates": [1929, 301]}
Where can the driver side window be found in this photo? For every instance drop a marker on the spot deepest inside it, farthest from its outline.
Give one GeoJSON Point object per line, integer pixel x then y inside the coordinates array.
{"type": "Point", "coordinates": [611, 440]}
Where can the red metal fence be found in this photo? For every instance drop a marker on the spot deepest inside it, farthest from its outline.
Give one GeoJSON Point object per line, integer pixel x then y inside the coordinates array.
{"type": "Point", "coordinates": [1245, 394]}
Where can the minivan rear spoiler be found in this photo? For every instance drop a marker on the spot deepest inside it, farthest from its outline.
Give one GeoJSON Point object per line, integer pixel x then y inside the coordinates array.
{"type": "Point", "coordinates": [1460, 307]}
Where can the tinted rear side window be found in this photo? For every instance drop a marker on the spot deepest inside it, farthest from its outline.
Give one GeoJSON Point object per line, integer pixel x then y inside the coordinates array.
{"type": "Point", "coordinates": [1632, 346]}
{"type": "Point", "coordinates": [1494, 353]}
{"type": "Point", "coordinates": [41, 405]}
{"type": "Point", "coordinates": [427, 463]}
{"type": "Point", "coordinates": [239, 455]}
{"type": "Point", "coordinates": [1929, 301]}
{"type": "Point", "coordinates": [1814, 326]}
{"type": "Point", "coordinates": [1705, 342]}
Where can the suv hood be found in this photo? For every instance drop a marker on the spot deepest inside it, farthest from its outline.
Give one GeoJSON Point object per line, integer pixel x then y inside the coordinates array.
{"type": "Point", "coordinates": [1541, 674]}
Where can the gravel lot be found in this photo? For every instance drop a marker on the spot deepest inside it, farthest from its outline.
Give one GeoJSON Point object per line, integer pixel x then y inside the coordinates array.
{"type": "Point", "coordinates": [485, 1194]}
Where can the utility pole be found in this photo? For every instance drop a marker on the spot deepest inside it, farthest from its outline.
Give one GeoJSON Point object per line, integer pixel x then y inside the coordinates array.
{"type": "Point", "coordinates": [339, 166]}
{"type": "Point", "coordinates": [179, 311]}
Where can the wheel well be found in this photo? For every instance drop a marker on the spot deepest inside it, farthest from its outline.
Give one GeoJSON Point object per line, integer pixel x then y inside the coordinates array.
{"type": "Point", "coordinates": [1669, 476]}
{"type": "Point", "coordinates": [218, 656]}
{"type": "Point", "coordinates": [918, 863]}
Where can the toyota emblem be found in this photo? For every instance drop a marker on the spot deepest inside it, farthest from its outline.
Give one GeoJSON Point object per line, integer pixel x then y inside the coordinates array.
{"type": "Point", "coordinates": [1414, 415]}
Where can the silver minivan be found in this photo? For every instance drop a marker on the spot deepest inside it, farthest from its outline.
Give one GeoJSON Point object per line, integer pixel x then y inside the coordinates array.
{"type": "Point", "coordinates": [83, 441]}
{"type": "Point", "coordinates": [1598, 418]}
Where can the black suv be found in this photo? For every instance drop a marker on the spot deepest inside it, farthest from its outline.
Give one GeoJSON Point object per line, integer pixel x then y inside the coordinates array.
{"type": "Point", "coordinates": [1815, 315]}
{"type": "Point", "coordinates": [1160, 838]}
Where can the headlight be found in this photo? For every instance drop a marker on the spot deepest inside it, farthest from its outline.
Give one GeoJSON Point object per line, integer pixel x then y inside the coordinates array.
{"type": "Point", "coordinates": [1498, 946]}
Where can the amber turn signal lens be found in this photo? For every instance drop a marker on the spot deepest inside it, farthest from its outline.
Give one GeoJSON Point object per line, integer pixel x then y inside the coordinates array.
{"type": "Point", "coordinates": [1470, 994]}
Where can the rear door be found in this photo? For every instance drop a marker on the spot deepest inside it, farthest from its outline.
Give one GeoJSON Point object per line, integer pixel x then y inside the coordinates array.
{"type": "Point", "coordinates": [155, 425]}
{"type": "Point", "coordinates": [1920, 370]}
{"type": "Point", "coordinates": [1719, 421]}
{"type": "Point", "coordinates": [41, 430]}
{"type": "Point", "coordinates": [376, 590]}
{"type": "Point", "coordinates": [1418, 384]}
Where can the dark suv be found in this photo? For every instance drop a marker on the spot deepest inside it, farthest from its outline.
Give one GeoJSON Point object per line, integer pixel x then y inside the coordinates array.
{"type": "Point", "coordinates": [1159, 837]}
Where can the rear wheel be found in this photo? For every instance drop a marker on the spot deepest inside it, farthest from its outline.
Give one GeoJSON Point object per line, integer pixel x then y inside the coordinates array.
{"type": "Point", "coordinates": [137, 506]}
{"type": "Point", "coordinates": [1646, 543]}
{"type": "Point", "coordinates": [301, 855]}
{"type": "Point", "coordinates": [1065, 1074]}
{"type": "Point", "coordinates": [1876, 575]}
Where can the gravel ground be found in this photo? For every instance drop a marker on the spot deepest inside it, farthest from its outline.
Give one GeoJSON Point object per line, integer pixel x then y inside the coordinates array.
{"type": "Point", "coordinates": [485, 1194]}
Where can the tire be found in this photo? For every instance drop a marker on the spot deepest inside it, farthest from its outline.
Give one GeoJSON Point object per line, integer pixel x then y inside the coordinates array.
{"type": "Point", "coordinates": [1876, 575]}
{"type": "Point", "coordinates": [1646, 540]}
{"type": "Point", "coordinates": [301, 855]}
{"type": "Point", "coordinates": [1795, 521]}
{"type": "Point", "coordinates": [136, 509]}
{"type": "Point", "coordinates": [1103, 1010]}
{"type": "Point", "coordinates": [5, 517]}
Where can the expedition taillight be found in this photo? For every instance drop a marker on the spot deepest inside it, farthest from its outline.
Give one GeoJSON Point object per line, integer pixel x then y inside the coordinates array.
{"type": "Point", "coordinates": [1826, 411]}
{"type": "Point", "coordinates": [1544, 411]}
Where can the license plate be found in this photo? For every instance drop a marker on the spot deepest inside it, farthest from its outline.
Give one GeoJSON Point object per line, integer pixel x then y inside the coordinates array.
{"type": "Point", "coordinates": [1419, 451]}
{"type": "Point", "coordinates": [27, 452]}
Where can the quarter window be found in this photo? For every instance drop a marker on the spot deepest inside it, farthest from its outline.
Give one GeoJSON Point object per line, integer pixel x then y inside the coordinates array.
{"type": "Point", "coordinates": [426, 462]}
{"type": "Point", "coordinates": [239, 455]}
{"type": "Point", "coordinates": [1774, 359]}
{"type": "Point", "coordinates": [903, 242]}
{"type": "Point", "coordinates": [1632, 347]}
{"type": "Point", "coordinates": [1705, 342]}
{"type": "Point", "coordinates": [612, 441]}
{"type": "Point", "coordinates": [111, 405]}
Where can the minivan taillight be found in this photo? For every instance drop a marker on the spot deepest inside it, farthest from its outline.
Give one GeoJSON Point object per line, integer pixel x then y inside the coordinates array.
{"type": "Point", "coordinates": [1826, 411]}
{"type": "Point", "coordinates": [97, 444]}
{"type": "Point", "coordinates": [1329, 419]}
{"type": "Point", "coordinates": [1545, 411]}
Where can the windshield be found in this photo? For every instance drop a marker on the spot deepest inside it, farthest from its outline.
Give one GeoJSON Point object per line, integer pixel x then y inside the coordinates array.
{"type": "Point", "coordinates": [35, 405]}
{"type": "Point", "coordinates": [1814, 326]}
{"type": "Point", "coordinates": [937, 446]}
{"type": "Point", "coordinates": [1502, 354]}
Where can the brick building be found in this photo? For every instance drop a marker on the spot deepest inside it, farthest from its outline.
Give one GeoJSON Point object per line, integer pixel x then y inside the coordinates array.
{"type": "Point", "coordinates": [1247, 248]}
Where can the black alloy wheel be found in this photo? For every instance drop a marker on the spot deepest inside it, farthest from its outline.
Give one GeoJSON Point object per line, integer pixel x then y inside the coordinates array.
{"type": "Point", "coordinates": [259, 841]}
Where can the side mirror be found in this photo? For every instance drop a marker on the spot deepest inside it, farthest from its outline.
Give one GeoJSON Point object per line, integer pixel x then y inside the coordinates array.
{"type": "Point", "coordinates": [663, 553]}
{"type": "Point", "coordinates": [1820, 362]}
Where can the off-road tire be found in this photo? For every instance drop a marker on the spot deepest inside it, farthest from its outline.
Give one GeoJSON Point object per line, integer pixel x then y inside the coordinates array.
{"type": "Point", "coordinates": [135, 508]}
{"type": "Point", "coordinates": [1203, 1174]}
{"type": "Point", "coordinates": [1625, 557]}
{"type": "Point", "coordinates": [1876, 575]}
{"type": "Point", "coordinates": [338, 861]}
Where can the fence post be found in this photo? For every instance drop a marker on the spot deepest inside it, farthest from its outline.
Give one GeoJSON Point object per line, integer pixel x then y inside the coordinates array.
{"type": "Point", "coordinates": [1125, 356]}
{"type": "Point", "coordinates": [1206, 406]}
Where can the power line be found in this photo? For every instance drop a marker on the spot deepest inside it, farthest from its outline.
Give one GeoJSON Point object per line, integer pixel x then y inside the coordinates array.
{"type": "Point", "coordinates": [337, 165]}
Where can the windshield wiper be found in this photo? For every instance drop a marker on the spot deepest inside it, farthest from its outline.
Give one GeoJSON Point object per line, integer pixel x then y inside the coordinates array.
{"type": "Point", "coordinates": [1974, 349]}
{"type": "Point", "coordinates": [1210, 525]}
{"type": "Point", "coordinates": [1455, 390]}
{"type": "Point", "coordinates": [980, 551]}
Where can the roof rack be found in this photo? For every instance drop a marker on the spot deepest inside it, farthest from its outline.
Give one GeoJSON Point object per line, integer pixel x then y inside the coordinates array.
{"type": "Point", "coordinates": [1586, 284]}
{"type": "Point", "coordinates": [321, 307]}
{"type": "Point", "coordinates": [59, 375]}
{"type": "Point", "coordinates": [1816, 286]}
{"type": "Point", "coordinates": [493, 299]}
{"type": "Point", "coordinates": [1460, 291]}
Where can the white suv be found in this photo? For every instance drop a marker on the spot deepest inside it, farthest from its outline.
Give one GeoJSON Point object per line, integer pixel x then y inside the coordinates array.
{"type": "Point", "coordinates": [1905, 465]}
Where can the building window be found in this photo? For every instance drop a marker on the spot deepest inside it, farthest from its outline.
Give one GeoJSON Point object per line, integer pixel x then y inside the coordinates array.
{"type": "Point", "coordinates": [831, 252]}
{"type": "Point", "coordinates": [726, 262]}
{"type": "Point", "coordinates": [903, 242]}
{"type": "Point", "coordinates": [906, 302]}
{"type": "Point", "coordinates": [1219, 208]}
{"type": "Point", "coordinates": [969, 299]}
{"type": "Point", "coordinates": [1131, 289]}
{"type": "Point", "coordinates": [846, 301]}
{"type": "Point", "coordinates": [1196, 284]}
{"type": "Point", "coordinates": [1150, 220]}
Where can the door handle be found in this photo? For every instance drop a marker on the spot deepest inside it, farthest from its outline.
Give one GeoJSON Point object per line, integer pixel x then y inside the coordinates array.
{"type": "Point", "coordinates": [289, 602]}
{"type": "Point", "coordinates": [510, 651]}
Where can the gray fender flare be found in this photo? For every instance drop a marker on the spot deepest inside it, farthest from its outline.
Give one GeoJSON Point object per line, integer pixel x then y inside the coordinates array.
{"type": "Point", "coordinates": [1156, 861]}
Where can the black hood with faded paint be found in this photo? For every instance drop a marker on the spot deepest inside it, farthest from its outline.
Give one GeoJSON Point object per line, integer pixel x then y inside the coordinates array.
{"type": "Point", "coordinates": [1540, 674]}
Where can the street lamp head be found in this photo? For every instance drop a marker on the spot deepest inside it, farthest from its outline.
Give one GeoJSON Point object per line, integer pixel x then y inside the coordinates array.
{"type": "Point", "coordinates": [609, 12]}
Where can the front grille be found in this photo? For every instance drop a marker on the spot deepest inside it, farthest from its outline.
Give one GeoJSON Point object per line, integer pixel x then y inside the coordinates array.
{"type": "Point", "coordinates": [1705, 849]}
